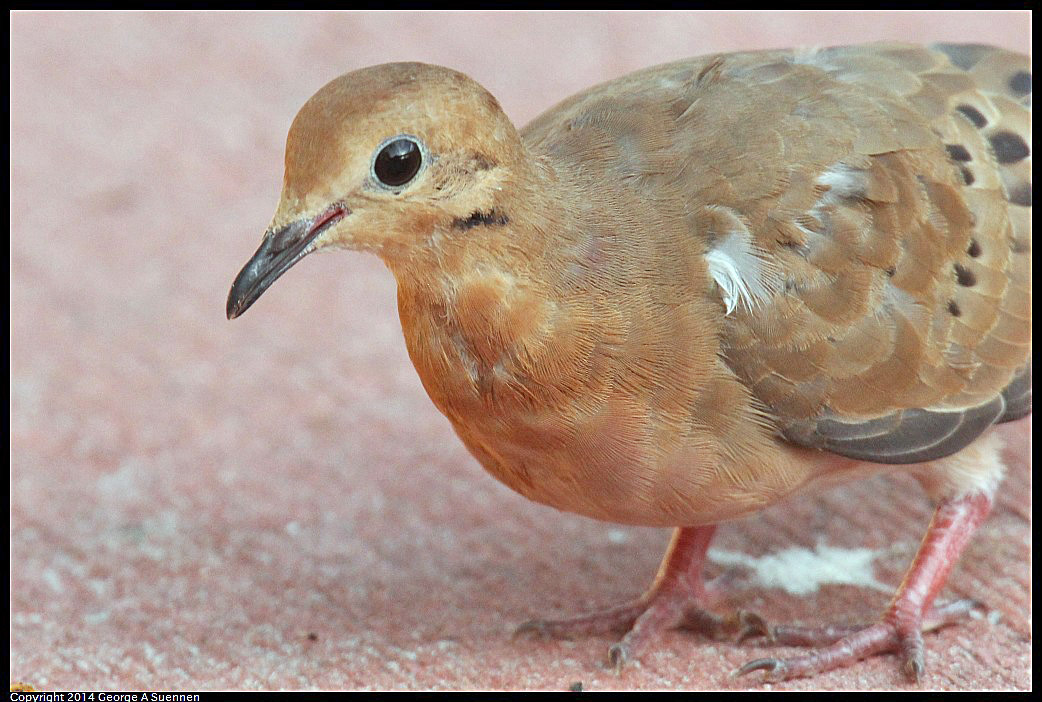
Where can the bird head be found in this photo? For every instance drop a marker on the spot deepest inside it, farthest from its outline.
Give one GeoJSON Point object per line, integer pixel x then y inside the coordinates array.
{"type": "Point", "coordinates": [388, 159]}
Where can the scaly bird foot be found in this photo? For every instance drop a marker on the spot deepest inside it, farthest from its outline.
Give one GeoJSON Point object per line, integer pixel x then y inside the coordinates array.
{"type": "Point", "coordinates": [675, 600]}
{"type": "Point", "coordinates": [643, 619]}
{"type": "Point", "coordinates": [839, 646]}
{"type": "Point", "coordinates": [910, 612]}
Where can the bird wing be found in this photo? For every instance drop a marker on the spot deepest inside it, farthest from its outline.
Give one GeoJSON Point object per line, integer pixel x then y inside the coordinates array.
{"type": "Point", "coordinates": [903, 329]}
{"type": "Point", "coordinates": [866, 215]}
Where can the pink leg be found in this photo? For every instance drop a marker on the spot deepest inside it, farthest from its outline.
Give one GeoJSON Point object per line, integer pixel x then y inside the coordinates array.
{"type": "Point", "coordinates": [674, 600]}
{"type": "Point", "coordinates": [909, 613]}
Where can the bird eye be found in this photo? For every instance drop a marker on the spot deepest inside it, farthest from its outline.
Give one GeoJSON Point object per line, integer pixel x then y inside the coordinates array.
{"type": "Point", "coordinates": [398, 161]}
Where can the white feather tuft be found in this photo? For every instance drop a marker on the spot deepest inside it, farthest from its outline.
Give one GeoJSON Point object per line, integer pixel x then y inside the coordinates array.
{"type": "Point", "coordinates": [843, 181]}
{"type": "Point", "coordinates": [745, 276]}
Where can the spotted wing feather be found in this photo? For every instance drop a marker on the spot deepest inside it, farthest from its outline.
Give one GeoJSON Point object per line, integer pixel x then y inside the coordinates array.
{"type": "Point", "coordinates": [904, 329]}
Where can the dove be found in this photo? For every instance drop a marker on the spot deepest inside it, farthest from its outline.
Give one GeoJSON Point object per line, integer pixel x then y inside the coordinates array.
{"type": "Point", "coordinates": [689, 293]}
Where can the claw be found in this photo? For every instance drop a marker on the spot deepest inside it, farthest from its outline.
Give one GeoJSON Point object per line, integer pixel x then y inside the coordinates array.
{"type": "Point", "coordinates": [771, 665]}
{"type": "Point", "coordinates": [617, 657]}
{"type": "Point", "coordinates": [912, 648]}
{"type": "Point", "coordinates": [533, 627]}
{"type": "Point", "coordinates": [914, 668]}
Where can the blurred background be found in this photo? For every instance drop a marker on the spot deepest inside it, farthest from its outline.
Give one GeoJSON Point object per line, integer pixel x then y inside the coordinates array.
{"type": "Point", "coordinates": [274, 503]}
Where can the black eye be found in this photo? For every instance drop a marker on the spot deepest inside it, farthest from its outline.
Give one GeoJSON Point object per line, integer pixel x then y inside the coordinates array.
{"type": "Point", "coordinates": [398, 162]}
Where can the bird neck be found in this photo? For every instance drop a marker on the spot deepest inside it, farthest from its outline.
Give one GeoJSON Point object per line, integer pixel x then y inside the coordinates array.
{"type": "Point", "coordinates": [491, 289]}
{"type": "Point", "coordinates": [514, 232]}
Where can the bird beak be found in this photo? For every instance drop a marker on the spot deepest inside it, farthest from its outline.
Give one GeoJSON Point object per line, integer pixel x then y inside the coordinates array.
{"type": "Point", "coordinates": [278, 252]}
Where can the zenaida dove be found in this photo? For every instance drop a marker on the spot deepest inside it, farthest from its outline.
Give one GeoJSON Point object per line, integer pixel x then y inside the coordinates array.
{"type": "Point", "coordinates": [688, 293]}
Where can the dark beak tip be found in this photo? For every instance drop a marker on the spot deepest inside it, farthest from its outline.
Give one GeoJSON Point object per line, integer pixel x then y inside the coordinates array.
{"type": "Point", "coordinates": [278, 252]}
{"type": "Point", "coordinates": [238, 300]}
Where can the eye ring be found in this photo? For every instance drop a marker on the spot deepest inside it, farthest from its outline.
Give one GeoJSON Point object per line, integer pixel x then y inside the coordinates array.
{"type": "Point", "coordinates": [397, 161]}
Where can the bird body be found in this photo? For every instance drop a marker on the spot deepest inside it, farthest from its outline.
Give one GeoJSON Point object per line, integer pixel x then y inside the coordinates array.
{"type": "Point", "coordinates": [581, 383]}
{"type": "Point", "coordinates": [680, 296]}
{"type": "Point", "coordinates": [595, 368]}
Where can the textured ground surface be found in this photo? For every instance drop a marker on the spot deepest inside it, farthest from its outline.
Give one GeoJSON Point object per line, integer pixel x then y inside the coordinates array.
{"type": "Point", "coordinates": [274, 503]}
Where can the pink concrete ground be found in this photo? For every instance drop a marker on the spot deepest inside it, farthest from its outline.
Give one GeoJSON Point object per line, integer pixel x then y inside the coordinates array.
{"type": "Point", "coordinates": [274, 503]}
